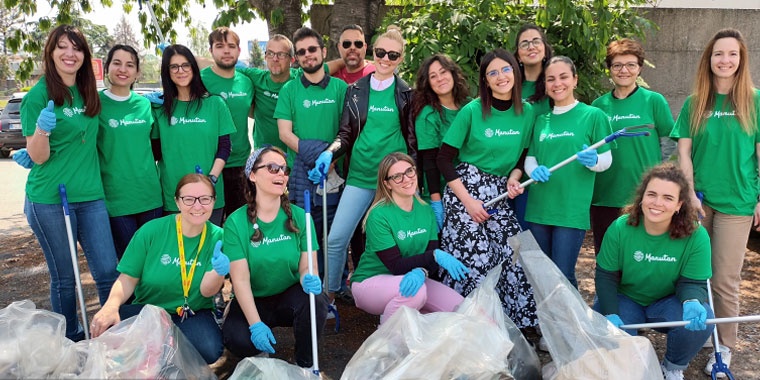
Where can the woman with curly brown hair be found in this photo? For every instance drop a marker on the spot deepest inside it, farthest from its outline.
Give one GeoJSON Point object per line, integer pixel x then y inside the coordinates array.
{"type": "Point", "coordinates": [658, 237]}
{"type": "Point", "coordinates": [440, 91]}
{"type": "Point", "coordinates": [267, 246]}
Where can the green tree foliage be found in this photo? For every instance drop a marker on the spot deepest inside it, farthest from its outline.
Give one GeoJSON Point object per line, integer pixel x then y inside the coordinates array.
{"type": "Point", "coordinates": [256, 56]}
{"type": "Point", "coordinates": [466, 30]}
{"type": "Point", "coordinates": [198, 42]}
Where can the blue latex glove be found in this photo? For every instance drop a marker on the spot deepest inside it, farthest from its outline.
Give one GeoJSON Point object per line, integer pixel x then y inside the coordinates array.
{"type": "Point", "coordinates": [695, 313]}
{"type": "Point", "coordinates": [587, 158]}
{"type": "Point", "coordinates": [438, 210]}
{"type": "Point", "coordinates": [262, 338]}
{"type": "Point", "coordinates": [456, 269]}
{"type": "Point", "coordinates": [22, 158]}
{"type": "Point", "coordinates": [162, 46]}
{"type": "Point", "coordinates": [220, 261]}
{"type": "Point", "coordinates": [412, 282]}
{"type": "Point", "coordinates": [321, 166]}
{"type": "Point", "coordinates": [240, 65]}
{"type": "Point", "coordinates": [46, 121]}
{"type": "Point", "coordinates": [615, 320]}
{"type": "Point", "coordinates": [540, 174]}
{"type": "Point", "coordinates": [156, 97]}
{"type": "Point", "coordinates": [311, 284]}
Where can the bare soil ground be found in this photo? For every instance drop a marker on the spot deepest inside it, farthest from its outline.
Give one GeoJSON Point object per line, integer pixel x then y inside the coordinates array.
{"type": "Point", "coordinates": [23, 275]}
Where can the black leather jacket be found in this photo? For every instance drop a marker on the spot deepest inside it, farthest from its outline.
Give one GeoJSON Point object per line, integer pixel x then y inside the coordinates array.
{"type": "Point", "coordinates": [355, 116]}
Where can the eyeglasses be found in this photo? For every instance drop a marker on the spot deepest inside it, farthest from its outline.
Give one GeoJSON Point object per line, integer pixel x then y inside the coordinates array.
{"type": "Point", "coordinates": [204, 200]}
{"type": "Point", "coordinates": [631, 66]}
{"type": "Point", "coordinates": [310, 49]}
{"type": "Point", "coordinates": [410, 173]}
{"type": "Point", "coordinates": [281, 55]}
{"type": "Point", "coordinates": [175, 68]}
{"type": "Point", "coordinates": [392, 55]}
{"type": "Point", "coordinates": [347, 44]}
{"type": "Point", "coordinates": [525, 45]}
{"type": "Point", "coordinates": [273, 168]}
{"type": "Point", "coordinates": [495, 73]}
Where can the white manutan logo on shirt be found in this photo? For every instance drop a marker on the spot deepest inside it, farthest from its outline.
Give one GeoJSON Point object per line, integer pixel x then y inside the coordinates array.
{"type": "Point", "coordinates": [166, 259]}
{"type": "Point", "coordinates": [638, 256]}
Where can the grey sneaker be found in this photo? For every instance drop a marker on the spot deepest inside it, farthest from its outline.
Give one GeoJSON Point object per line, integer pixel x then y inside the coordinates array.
{"type": "Point", "coordinates": [725, 353]}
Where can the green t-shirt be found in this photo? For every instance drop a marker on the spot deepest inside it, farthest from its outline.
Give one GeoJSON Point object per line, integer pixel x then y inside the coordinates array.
{"type": "Point", "coordinates": [389, 226]}
{"type": "Point", "coordinates": [273, 261]}
{"type": "Point", "coordinates": [130, 176]}
{"type": "Point", "coordinates": [651, 265]}
{"type": "Point", "coordinates": [539, 108]}
{"type": "Point", "coordinates": [73, 154]}
{"type": "Point", "coordinates": [314, 111]}
{"type": "Point", "coordinates": [565, 199]}
{"type": "Point", "coordinates": [724, 158]}
{"type": "Point", "coordinates": [430, 127]}
{"type": "Point", "coordinates": [381, 135]}
{"type": "Point", "coordinates": [493, 145]}
{"type": "Point", "coordinates": [153, 257]}
{"type": "Point", "coordinates": [237, 92]}
{"type": "Point", "coordinates": [191, 139]}
{"type": "Point", "coordinates": [632, 155]}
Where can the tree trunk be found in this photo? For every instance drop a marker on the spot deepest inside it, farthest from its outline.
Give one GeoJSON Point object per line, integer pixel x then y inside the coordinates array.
{"type": "Point", "coordinates": [345, 12]}
{"type": "Point", "coordinates": [282, 16]}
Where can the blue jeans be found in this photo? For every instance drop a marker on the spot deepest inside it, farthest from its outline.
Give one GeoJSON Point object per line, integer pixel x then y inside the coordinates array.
{"type": "Point", "coordinates": [562, 245]}
{"type": "Point", "coordinates": [683, 344]}
{"type": "Point", "coordinates": [89, 225]}
{"type": "Point", "coordinates": [353, 204]}
{"type": "Point", "coordinates": [124, 227]}
{"type": "Point", "coordinates": [201, 330]}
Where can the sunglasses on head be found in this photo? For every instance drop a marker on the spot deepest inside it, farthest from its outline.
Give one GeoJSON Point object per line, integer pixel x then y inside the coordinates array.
{"type": "Point", "coordinates": [273, 168]}
{"type": "Point", "coordinates": [310, 49]}
{"type": "Point", "coordinates": [392, 55]}
{"type": "Point", "coordinates": [347, 44]}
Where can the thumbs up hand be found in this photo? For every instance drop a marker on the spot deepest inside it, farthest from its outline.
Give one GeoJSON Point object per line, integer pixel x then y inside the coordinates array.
{"type": "Point", "coordinates": [220, 261]}
{"type": "Point", "coordinates": [46, 121]}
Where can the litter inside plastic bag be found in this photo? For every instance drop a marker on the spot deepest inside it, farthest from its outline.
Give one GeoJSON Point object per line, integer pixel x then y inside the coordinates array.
{"type": "Point", "coordinates": [33, 345]}
{"type": "Point", "coordinates": [472, 343]}
{"type": "Point", "coordinates": [255, 368]}
{"type": "Point", "coordinates": [582, 343]}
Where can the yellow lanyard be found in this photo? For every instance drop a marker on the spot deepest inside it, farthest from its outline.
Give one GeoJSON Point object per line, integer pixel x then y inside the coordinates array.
{"type": "Point", "coordinates": [187, 279]}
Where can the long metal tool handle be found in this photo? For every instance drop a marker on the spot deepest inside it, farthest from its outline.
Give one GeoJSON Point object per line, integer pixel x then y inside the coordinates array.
{"type": "Point", "coordinates": [153, 19]}
{"type": "Point", "coordinates": [621, 133]}
{"type": "Point", "coordinates": [312, 307]}
{"type": "Point", "coordinates": [74, 260]}
{"type": "Point", "coordinates": [323, 184]}
{"type": "Point", "coordinates": [713, 321]}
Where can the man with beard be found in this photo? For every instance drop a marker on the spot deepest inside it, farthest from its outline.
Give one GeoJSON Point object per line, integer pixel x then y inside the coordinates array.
{"type": "Point", "coordinates": [353, 48]}
{"type": "Point", "coordinates": [237, 91]}
{"type": "Point", "coordinates": [308, 114]}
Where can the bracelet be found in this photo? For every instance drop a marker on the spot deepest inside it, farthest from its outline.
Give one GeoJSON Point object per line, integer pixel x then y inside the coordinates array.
{"type": "Point", "coordinates": [425, 271]}
{"type": "Point", "coordinates": [42, 132]}
{"type": "Point", "coordinates": [689, 300]}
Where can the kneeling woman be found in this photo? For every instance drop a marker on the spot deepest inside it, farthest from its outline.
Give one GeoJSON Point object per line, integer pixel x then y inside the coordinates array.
{"type": "Point", "coordinates": [658, 238]}
{"type": "Point", "coordinates": [150, 268]}
{"type": "Point", "coordinates": [402, 248]}
{"type": "Point", "coordinates": [266, 241]}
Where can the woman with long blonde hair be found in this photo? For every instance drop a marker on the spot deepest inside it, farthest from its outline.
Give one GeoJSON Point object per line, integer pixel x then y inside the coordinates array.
{"type": "Point", "coordinates": [718, 151]}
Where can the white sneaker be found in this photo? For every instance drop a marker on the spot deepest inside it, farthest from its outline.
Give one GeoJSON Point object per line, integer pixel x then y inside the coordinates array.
{"type": "Point", "coordinates": [331, 310]}
{"type": "Point", "coordinates": [725, 353]}
{"type": "Point", "coordinates": [672, 374]}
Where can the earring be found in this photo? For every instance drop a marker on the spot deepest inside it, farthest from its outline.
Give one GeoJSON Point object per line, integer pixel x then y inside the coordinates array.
{"type": "Point", "coordinates": [677, 211]}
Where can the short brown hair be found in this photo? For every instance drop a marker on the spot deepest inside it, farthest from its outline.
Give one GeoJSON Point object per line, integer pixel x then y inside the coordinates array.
{"type": "Point", "coordinates": [222, 34]}
{"type": "Point", "coordinates": [624, 46]}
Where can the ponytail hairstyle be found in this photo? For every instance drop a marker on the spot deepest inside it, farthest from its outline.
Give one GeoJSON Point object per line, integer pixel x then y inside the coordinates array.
{"type": "Point", "coordinates": [250, 194]}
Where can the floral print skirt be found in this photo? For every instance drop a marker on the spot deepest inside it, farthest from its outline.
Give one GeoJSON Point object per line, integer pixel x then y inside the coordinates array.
{"type": "Point", "coordinates": [480, 247]}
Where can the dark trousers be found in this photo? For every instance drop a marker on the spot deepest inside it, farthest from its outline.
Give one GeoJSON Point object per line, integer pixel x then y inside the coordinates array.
{"type": "Point", "coordinates": [601, 218]}
{"type": "Point", "coordinates": [289, 308]}
{"type": "Point", "coordinates": [124, 227]}
{"type": "Point", "coordinates": [200, 330]}
{"type": "Point", "coordinates": [234, 189]}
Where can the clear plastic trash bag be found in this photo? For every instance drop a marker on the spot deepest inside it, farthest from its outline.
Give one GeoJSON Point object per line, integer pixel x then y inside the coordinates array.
{"type": "Point", "coordinates": [33, 345]}
{"type": "Point", "coordinates": [582, 343]}
{"type": "Point", "coordinates": [472, 343]}
{"type": "Point", "coordinates": [255, 368]}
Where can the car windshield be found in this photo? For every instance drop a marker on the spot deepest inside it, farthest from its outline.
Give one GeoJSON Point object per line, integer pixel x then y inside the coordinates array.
{"type": "Point", "coordinates": [12, 108]}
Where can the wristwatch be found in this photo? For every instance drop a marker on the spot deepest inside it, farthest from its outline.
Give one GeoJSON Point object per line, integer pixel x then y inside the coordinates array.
{"type": "Point", "coordinates": [213, 178]}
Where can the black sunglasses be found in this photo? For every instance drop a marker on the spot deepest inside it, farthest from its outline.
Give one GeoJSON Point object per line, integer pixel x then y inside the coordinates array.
{"type": "Point", "coordinates": [310, 49]}
{"type": "Point", "coordinates": [273, 168]}
{"type": "Point", "coordinates": [347, 44]}
{"type": "Point", "coordinates": [392, 55]}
